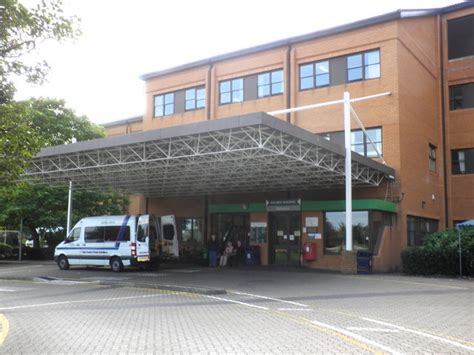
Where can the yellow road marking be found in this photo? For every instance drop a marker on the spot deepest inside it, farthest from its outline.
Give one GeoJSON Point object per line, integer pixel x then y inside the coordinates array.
{"type": "Point", "coordinates": [4, 328]}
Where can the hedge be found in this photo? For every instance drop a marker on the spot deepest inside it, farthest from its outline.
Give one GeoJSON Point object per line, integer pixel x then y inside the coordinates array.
{"type": "Point", "coordinates": [439, 254]}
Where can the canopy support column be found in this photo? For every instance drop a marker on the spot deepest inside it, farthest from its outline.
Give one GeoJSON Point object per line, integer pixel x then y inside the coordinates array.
{"type": "Point", "coordinates": [69, 209]}
{"type": "Point", "coordinates": [348, 168]}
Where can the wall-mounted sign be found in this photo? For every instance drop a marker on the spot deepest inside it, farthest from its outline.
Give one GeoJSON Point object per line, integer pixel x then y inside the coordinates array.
{"type": "Point", "coordinates": [313, 236]}
{"type": "Point", "coordinates": [312, 221]}
{"type": "Point", "coordinates": [258, 232]}
{"type": "Point", "coordinates": [283, 205]}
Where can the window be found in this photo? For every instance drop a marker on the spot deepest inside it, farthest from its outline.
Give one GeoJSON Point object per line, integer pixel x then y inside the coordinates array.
{"type": "Point", "coordinates": [190, 230]}
{"type": "Point", "coordinates": [461, 96]}
{"type": "Point", "coordinates": [432, 157]}
{"type": "Point", "coordinates": [314, 75]}
{"type": "Point", "coordinates": [461, 37]}
{"type": "Point", "coordinates": [106, 234]}
{"type": "Point", "coordinates": [270, 83]}
{"type": "Point", "coordinates": [361, 144]}
{"type": "Point", "coordinates": [168, 231]}
{"type": "Point", "coordinates": [231, 91]}
{"type": "Point", "coordinates": [367, 228]}
{"type": "Point", "coordinates": [363, 66]}
{"type": "Point", "coordinates": [462, 161]}
{"type": "Point", "coordinates": [74, 235]}
{"type": "Point", "coordinates": [164, 105]}
{"type": "Point", "coordinates": [195, 98]}
{"type": "Point", "coordinates": [418, 228]}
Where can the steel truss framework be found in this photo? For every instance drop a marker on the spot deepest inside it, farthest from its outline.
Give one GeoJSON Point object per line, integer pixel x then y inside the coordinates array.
{"type": "Point", "coordinates": [234, 156]}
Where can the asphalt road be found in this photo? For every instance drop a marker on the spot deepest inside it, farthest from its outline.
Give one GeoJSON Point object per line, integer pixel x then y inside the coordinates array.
{"type": "Point", "coordinates": [45, 310]}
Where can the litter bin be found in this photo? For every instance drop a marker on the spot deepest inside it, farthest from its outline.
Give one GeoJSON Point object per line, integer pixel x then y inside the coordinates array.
{"type": "Point", "coordinates": [252, 255]}
{"type": "Point", "coordinates": [364, 262]}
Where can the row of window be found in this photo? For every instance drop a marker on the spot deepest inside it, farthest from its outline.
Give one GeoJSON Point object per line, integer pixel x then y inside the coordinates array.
{"type": "Point", "coordinates": [334, 71]}
{"type": "Point", "coordinates": [360, 66]}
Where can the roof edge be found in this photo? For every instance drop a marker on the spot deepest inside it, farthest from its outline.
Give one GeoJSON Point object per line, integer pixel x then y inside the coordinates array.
{"type": "Point", "coordinates": [390, 16]}
{"type": "Point", "coordinates": [123, 121]}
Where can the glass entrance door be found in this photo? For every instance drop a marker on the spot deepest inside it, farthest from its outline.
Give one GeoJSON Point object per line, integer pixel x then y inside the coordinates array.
{"type": "Point", "coordinates": [285, 238]}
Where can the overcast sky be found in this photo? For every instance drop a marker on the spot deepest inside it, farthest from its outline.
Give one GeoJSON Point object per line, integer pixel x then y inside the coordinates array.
{"type": "Point", "coordinates": [98, 75]}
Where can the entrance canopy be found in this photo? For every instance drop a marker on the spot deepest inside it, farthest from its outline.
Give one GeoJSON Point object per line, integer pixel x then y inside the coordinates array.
{"type": "Point", "coordinates": [248, 153]}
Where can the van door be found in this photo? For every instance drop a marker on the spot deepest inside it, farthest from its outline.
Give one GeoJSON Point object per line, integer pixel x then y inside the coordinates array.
{"type": "Point", "coordinates": [143, 238]}
{"type": "Point", "coordinates": [169, 237]}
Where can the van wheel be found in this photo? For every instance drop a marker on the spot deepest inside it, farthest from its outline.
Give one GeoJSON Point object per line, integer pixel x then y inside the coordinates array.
{"type": "Point", "coordinates": [63, 263]}
{"type": "Point", "coordinates": [116, 264]}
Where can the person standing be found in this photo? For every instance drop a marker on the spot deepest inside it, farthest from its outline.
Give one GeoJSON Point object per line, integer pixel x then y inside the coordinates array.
{"type": "Point", "coordinates": [212, 250]}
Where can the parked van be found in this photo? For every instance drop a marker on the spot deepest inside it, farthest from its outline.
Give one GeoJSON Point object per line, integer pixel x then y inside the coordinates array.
{"type": "Point", "coordinates": [119, 241]}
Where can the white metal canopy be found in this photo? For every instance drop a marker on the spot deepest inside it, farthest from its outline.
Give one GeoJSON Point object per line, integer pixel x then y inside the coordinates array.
{"type": "Point", "coordinates": [247, 153]}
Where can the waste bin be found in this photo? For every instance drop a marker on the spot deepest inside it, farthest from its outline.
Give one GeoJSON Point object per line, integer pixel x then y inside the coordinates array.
{"type": "Point", "coordinates": [252, 255]}
{"type": "Point", "coordinates": [364, 262]}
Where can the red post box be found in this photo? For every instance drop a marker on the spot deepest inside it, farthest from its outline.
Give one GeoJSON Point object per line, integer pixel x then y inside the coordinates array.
{"type": "Point", "coordinates": [309, 251]}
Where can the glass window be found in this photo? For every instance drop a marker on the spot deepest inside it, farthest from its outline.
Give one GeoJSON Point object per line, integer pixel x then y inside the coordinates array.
{"type": "Point", "coordinates": [462, 161]}
{"type": "Point", "coordinates": [314, 75]}
{"type": "Point", "coordinates": [195, 98]}
{"type": "Point", "coordinates": [164, 105]}
{"type": "Point", "coordinates": [461, 37]}
{"type": "Point", "coordinates": [335, 232]}
{"type": "Point", "coordinates": [418, 228]}
{"type": "Point", "coordinates": [74, 235]}
{"type": "Point", "coordinates": [363, 66]}
{"type": "Point", "coordinates": [168, 231]}
{"type": "Point", "coordinates": [270, 83]}
{"type": "Point", "coordinates": [190, 230]}
{"type": "Point", "coordinates": [231, 91]}
{"type": "Point", "coordinates": [461, 96]}
{"type": "Point", "coordinates": [432, 157]}
{"type": "Point", "coordinates": [360, 143]}
{"type": "Point", "coordinates": [322, 73]}
{"type": "Point", "coordinates": [94, 235]}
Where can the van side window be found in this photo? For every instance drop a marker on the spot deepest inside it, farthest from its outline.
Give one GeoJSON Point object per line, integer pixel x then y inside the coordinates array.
{"type": "Point", "coordinates": [74, 235]}
{"type": "Point", "coordinates": [168, 231]}
{"type": "Point", "coordinates": [106, 234]}
{"type": "Point", "coordinates": [94, 234]}
{"type": "Point", "coordinates": [112, 234]}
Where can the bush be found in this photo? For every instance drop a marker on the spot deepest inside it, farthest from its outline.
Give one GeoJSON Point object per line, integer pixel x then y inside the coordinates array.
{"type": "Point", "coordinates": [439, 254]}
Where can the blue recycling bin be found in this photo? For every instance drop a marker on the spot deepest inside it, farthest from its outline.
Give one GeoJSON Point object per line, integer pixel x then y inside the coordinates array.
{"type": "Point", "coordinates": [364, 262]}
{"type": "Point", "coordinates": [252, 255]}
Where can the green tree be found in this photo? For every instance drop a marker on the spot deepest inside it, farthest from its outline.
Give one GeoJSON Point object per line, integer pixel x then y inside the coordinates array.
{"type": "Point", "coordinates": [50, 122]}
{"type": "Point", "coordinates": [22, 29]}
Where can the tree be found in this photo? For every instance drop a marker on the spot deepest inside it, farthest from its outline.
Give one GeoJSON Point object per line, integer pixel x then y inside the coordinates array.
{"type": "Point", "coordinates": [41, 207]}
{"type": "Point", "coordinates": [22, 29]}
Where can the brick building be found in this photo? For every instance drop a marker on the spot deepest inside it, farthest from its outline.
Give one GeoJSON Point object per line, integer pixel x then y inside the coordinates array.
{"type": "Point", "coordinates": [424, 131]}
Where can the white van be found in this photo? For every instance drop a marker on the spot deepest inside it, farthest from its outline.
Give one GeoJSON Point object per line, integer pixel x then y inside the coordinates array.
{"type": "Point", "coordinates": [118, 241]}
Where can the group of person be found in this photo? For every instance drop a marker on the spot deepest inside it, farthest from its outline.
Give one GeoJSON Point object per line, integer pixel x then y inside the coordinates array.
{"type": "Point", "coordinates": [230, 255]}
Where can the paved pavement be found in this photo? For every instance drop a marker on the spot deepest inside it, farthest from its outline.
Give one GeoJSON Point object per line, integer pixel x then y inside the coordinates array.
{"type": "Point", "coordinates": [257, 310]}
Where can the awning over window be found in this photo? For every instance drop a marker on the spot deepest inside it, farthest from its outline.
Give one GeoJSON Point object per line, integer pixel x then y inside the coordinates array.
{"type": "Point", "coordinates": [248, 153]}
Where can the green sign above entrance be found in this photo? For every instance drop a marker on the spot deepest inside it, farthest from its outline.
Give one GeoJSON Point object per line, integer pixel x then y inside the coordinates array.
{"type": "Point", "coordinates": [283, 205]}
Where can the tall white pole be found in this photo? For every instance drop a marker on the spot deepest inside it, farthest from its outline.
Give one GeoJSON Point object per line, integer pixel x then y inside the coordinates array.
{"type": "Point", "coordinates": [69, 209]}
{"type": "Point", "coordinates": [348, 169]}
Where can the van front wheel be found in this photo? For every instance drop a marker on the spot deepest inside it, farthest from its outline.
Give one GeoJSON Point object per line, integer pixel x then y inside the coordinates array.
{"type": "Point", "coordinates": [63, 263]}
{"type": "Point", "coordinates": [116, 264]}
